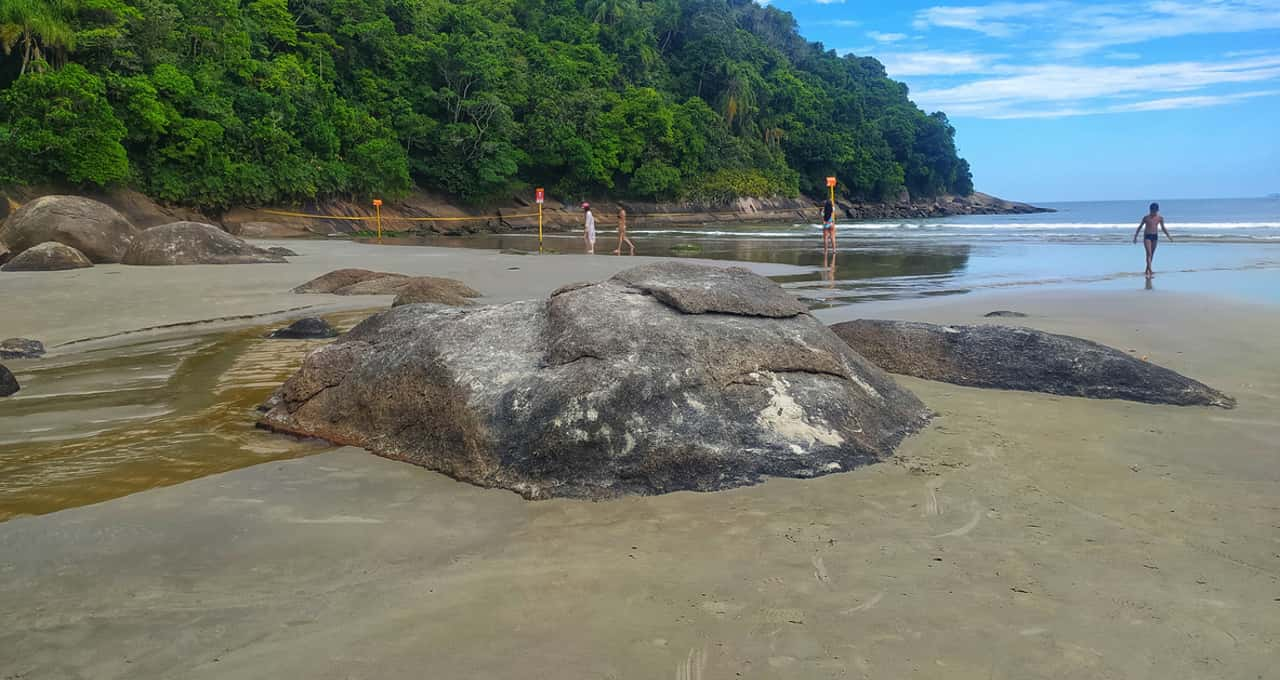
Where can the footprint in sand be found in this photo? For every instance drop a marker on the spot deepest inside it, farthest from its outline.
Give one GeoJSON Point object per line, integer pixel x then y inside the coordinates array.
{"type": "Point", "coordinates": [694, 665]}
{"type": "Point", "coordinates": [820, 570]}
{"type": "Point", "coordinates": [931, 506]}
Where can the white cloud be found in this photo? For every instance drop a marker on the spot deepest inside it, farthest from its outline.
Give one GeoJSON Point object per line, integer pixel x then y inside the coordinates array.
{"type": "Point", "coordinates": [844, 23]}
{"type": "Point", "coordinates": [1078, 28]}
{"type": "Point", "coordinates": [1062, 90]}
{"type": "Point", "coordinates": [886, 37]}
{"type": "Point", "coordinates": [995, 20]}
{"type": "Point", "coordinates": [939, 63]}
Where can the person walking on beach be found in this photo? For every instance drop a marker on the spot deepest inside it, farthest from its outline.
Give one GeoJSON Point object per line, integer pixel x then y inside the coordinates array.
{"type": "Point", "coordinates": [1153, 224]}
{"type": "Point", "coordinates": [622, 233]}
{"type": "Point", "coordinates": [589, 234]}
{"type": "Point", "coordinates": [828, 225]}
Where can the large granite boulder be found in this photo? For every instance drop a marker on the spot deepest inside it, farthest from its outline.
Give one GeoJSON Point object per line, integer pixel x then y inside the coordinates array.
{"type": "Point", "coordinates": [604, 389]}
{"type": "Point", "coordinates": [1025, 359]}
{"type": "Point", "coordinates": [92, 228]}
{"type": "Point", "coordinates": [47, 257]}
{"type": "Point", "coordinates": [193, 243]}
{"type": "Point", "coordinates": [434, 290]}
{"type": "Point", "coordinates": [8, 383]}
{"type": "Point", "coordinates": [21, 348]}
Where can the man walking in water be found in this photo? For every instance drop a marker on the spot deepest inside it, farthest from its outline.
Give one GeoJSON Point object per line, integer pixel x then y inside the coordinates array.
{"type": "Point", "coordinates": [622, 233]}
{"type": "Point", "coordinates": [590, 233]}
{"type": "Point", "coordinates": [828, 226]}
{"type": "Point", "coordinates": [1153, 224]}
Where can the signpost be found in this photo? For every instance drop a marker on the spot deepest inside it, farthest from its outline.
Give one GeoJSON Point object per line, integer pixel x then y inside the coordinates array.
{"type": "Point", "coordinates": [831, 184]}
{"type": "Point", "coordinates": [377, 208]}
{"type": "Point", "coordinates": [540, 195]}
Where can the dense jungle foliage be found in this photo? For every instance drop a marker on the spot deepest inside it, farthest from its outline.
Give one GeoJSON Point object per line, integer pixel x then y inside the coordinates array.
{"type": "Point", "coordinates": [215, 103]}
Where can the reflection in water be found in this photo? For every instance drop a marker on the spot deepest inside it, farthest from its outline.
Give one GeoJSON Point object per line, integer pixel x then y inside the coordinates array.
{"type": "Point", "coordinates": [866, 269]}
{"type": "Point", "coordinates": [101, 424]}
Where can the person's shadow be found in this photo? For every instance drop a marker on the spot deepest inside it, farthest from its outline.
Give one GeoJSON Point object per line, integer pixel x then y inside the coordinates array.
{"type": "Point", "coordinates": [1149, 286]}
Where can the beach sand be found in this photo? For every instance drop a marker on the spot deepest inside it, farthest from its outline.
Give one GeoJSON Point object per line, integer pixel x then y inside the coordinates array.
{"type": "Point", "coordinates": [1019, 536]}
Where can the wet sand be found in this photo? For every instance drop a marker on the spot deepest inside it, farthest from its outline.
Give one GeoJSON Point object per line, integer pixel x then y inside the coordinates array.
{"type": "Point", "coordinates": [1019, 536]}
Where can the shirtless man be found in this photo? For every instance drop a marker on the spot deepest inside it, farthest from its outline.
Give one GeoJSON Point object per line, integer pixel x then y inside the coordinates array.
{"type": "Point", "coordinates": [622, 233]}
{"type": "Point", "coordinates": [1153, 224]}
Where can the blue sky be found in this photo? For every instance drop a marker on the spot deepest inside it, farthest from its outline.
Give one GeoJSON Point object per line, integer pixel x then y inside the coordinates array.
{"type": "Point", "coordinates": [1065, 100]}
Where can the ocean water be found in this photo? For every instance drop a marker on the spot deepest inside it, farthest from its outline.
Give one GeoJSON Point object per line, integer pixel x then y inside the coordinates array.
{"type": "Point", "coordinates": [1230, 247]}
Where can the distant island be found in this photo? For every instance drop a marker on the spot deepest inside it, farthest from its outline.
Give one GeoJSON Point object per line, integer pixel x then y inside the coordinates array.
{"type": "Point", "coordinates": [215, 106]}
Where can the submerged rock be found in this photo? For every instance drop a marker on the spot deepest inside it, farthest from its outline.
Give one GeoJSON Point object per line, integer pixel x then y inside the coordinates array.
{"type": "Point", "coordinates": [21, 348]}
{"type": "Point", "coordinates": [281, 251]}
{"type": "Point", "coordinates": [1005, 314]}
{"type": "Point", "coordinates": [432, 289]}
{"type": "Point", "coordinates": [310, 328]}
{"type": "Point", "coordinates": [605, 389]}
{"type": "Point", "coordinates": [184, 243]}
{"type": "Point", "coordinates": [95, 229]}
{"type": "Point", "coordinates": [342, 278]}
{"type": "Point", "coordinates": [8, 383]}
{"type": "Point", "coordinates": [1021, 359]}
{"type": "Point", "coordinates": [50, 256]}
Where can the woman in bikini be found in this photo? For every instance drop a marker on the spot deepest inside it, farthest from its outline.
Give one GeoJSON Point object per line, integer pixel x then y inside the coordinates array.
{"type": "Point", "coordinates": [1153, 224]}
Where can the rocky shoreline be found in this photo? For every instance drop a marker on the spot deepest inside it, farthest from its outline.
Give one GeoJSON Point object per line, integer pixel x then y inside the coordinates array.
{"type": "Point", "coordinates": [515, 215]}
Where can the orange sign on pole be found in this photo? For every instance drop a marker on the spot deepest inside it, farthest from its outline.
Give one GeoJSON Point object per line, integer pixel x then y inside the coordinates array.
{"type": "Point", "coordinates": [831, 182]}
{"type": "Point", "coordinates": [539, 195]}
{"type": "Point", "coordinates": [377, 208]}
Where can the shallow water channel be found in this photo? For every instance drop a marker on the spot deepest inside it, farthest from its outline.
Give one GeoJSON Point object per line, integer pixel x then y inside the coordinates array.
{"type": "Point", "coordinates": [144, 412]}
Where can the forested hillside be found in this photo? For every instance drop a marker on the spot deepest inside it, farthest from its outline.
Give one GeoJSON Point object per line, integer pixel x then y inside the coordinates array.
{"type": "Point", "coordinates": [215, 103]}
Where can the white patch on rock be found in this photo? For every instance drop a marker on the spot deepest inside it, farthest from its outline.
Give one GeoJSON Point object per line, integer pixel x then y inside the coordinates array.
{"type": "Point", "coordinates": [785, 417]}
{"type": "Point", "coordinates": [832, 467]}
{"type": "Point", "coordinates": [695, 404]}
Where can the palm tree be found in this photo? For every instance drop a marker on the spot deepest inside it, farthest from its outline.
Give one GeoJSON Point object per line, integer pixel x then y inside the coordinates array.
{"type": "Point", "coordinates": [37, 27]}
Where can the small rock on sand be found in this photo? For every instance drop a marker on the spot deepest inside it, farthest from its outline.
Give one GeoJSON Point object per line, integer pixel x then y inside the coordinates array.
{"type": "Point", "coordinates": [1005, 314]}
{"type": "Point", "coordinates": [309, 328]}
{"type": "Point", "coordinates": [50, 256]}
{"type": "Point", "coordinates": [432, 289]}
{"type": "Point", "coordinates": [21, 348]}
{"type": "Point", "coordinates": [8, 383]}
{"type": "Point", "coordinates": [342, 278]}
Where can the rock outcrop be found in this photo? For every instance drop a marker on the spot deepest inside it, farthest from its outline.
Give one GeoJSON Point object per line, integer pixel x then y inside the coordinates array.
{"type": "Point", "coordinates": [407, 289]}
{"type": "Point", "coordinates": [1021, 359]}
{"type": "Point", "coordinates": [1005, 314]}
{"type": "Point", "coordinates": [92, 228]}
{"type": "Point", "coordinates": [281, 251]}
{"type": "Point", "coordinates": [310, 328]}
{"type": "Point", "coordinates": [183, 243]}
{"type": "Point", "coordinates": [50, 256]}
{"type": "Point", "coordinates": [21, 348]}
{"type": "Point", "coordinates": [435, 290]}
{"type": "Point", "coordinates": [605, 389]}
{"type": "Point", "coordinates": [8, 383]}
{"type": "Point", "coordinates": [341, 278]}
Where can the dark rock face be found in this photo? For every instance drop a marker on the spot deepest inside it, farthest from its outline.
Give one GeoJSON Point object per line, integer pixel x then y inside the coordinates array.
{"type": "Point", "coordinates": [342, 278]}
{"type": "Point", "coordinates": [21, 348]}
{"type": "Point", "coordinates": [1005, 314]}
{"type": "Point", "coordinates": [193, 243]}
{"type": "Point", "coordinates": [1021, 359]}
{"type": "Point", "coordinates": [281, 251]}
{"type": "Point", "coordinates": [8, 383]}
{"type": "Point", "coordinates": [95, 229]}
{"type": "Point", "coordinates": [310, 328]}
{"type": "Point", "coordinates": [602, 390]}
{"type": "Point", "coordinates": [47, 257]}
{"type": "Point", "coordinates": [431, 289]}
